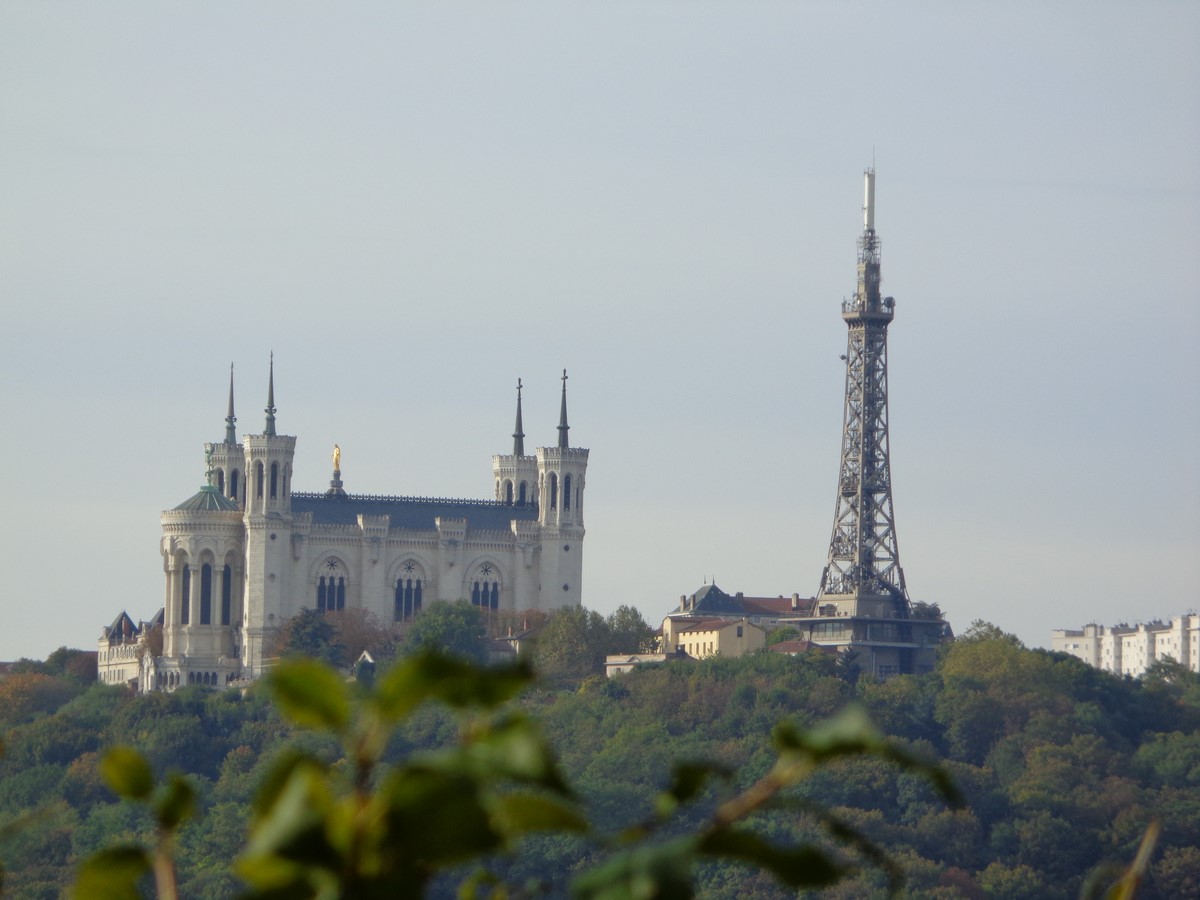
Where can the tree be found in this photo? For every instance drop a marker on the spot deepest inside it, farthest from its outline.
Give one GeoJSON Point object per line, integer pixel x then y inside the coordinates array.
{"type": "Point", "coordinates": [922, 610]}
{"type": "Point", "coordinates": [359, 629]}
{"type": "Point", "coordinates": [504, 623]}
{"type": "Point", "coordinates": [457, 629]}
{"type": "Point", "coordinates": [986, 631]}
{"type": "Point", "coordinates": [572, 645]}
{"type": "Point", "coordinates": [154, 642]}
{"type": "Point", "coordinates": [78, 664]}
{"type": "Point", "coordinates": [628, 631]}
{"type": "Point", "coordinates": [782, 633]}
{"type": "Point", "coordinates": [26, 693]}
{"type": "Point", "coordinates": [362, 828]}
{"type": "Point", "coordinates": [312, 634]}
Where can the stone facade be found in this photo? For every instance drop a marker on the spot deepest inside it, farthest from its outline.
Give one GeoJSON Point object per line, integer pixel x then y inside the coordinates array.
{"type": "Point", "coordinates": [702, 637]}
{"type": "Point", "coordinates": [247, 553]}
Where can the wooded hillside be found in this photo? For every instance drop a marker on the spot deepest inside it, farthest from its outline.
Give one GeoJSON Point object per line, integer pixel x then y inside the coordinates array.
{"type": "Point", "coordinates": [1063, 769]}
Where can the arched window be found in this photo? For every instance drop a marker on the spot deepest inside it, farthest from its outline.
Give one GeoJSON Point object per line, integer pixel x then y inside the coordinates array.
{"type": "Point", "coordinates": [331, 587]}
{"type": "Point", "coordinates": [485, 587]}
{"type": "Point", "coordinates": [566, 492]}
{"type": "Point", "coordinates": [233, 485]}
{"type": "Point", "coordinates": [331, 593]}
{"type": "Point", "coordinates": [274, 480]}
{"type": "Point", "coordinates": [258, 481]}
{"type": "Point", "coordinates": [206, 594]}
{"type": "Point", "coordinates": [221, 480]}
{"type": "Point", "coordinates": [521, 495]}
{"type": "Point", "coordinates": [553, 491]}
{"type": "Point", "coordinates": [408, 597]}
{"type": "Point", "coordinates": [185, 612]}
{"type": "Point", "coordinates": [226, 593]}
{"type": "Point", "coordinates": [508, 493]}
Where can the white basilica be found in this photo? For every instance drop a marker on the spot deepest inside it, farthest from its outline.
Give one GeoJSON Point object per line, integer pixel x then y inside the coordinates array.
{"type": "Point", "coordinates": [247, 553]}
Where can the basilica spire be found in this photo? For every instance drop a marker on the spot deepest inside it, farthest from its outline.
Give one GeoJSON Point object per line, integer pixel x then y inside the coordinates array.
{"type": "Point", "coordinates": [519, 433]}
{"type": "Point", "coordinates": [563, 427]}
{"type": "Point", "coordinates": [230, 418]}
{"type": "Point", "coordinates": [270, 410]}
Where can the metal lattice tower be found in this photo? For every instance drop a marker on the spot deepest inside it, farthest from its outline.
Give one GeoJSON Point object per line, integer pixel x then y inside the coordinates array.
{"type": "Point", "coordinates": [863, 569]}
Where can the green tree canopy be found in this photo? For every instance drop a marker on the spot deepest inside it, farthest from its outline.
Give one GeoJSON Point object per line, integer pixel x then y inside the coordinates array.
{"type": "Point", "coordinates": [628, 631]}
{"type": "Point", "coordinates": [572, 645]}
{"type": "Point", "coordinates": [457, 629]}
{"type": "Point", "coordinates": [312, 634]}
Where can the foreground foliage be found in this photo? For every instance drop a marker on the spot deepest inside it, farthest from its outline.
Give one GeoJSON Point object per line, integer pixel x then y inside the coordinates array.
{"type": "Point", "coordinates": [360, 828]}
{"type": "Point", "coordinates": [1063, 768]}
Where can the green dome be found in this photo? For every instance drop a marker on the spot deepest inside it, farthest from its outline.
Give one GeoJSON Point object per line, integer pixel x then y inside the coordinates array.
{"type": "Point", "coordinates": [209, 499]}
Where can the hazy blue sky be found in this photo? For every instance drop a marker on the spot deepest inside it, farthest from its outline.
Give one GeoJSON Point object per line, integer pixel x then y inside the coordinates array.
{"type": "Point", "coordinates": [413, 205]}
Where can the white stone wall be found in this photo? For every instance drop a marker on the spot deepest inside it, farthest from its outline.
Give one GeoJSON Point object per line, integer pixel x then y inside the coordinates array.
{"type": "Point", "coordinates": [1127, 650]}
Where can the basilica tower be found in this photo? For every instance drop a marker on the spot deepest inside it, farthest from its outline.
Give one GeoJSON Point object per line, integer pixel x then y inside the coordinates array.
{"type": "Point", "coordinates": [268, 522]}
{"type": "Point", "coordinates": [562, 473]}
{"type": "Point", "coordinates": [228, 457]}
{"type": "Point", "coordinates": [516, 474]}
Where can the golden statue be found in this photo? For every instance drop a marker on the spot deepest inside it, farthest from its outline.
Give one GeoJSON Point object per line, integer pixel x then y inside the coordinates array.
{"type": "Point", "coordinates": [337, 458]}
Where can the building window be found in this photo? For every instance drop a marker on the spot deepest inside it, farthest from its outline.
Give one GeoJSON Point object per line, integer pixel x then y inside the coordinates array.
{"type": "Point", "coordinates": [485, 588]}
{"type": "Point", "coordinates": [233, 485]}
{"type": "Point", "coordinates": [331, 587]}
{"type": "Point", "coordinates": [331, 593]}
{"type": "Point", "coordinates": [274, 480]}
{"type": "Point", "coordinates": [521, 495]}
{"type": "Point", "coordinates": [566, 492]}
{"type": "Point", "coordinates": [206, 594]}
{"type": "Point", "coordinates": [185, 612]}
{"type": "Point", "coordinates": [486, 594]}
{"type": "Point", "coordinates": [508, 493]}
{"type": "Point", "coordinates": [258, 481]}
{"type": "Point", "coordinates": [221, 480]}
{"type": "Point", "coordinates": [553, 491]}
{"type": "Point", "coordinates": [739, 631]}
{"type": "Point", "coordinates": [226, 594]}
{"type": "Point", "coordinates": [408, 598]}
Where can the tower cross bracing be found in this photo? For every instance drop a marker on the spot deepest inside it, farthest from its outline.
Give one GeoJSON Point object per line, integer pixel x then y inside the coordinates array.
{"type": "Point", "coordinates": [864, 557]}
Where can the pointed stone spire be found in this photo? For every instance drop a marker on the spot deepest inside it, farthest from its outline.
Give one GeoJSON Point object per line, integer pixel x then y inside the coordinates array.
{"type": "Point", "coordinates": [230, 419]}
{"type": "Point", "coordinates": [270, 410]}
{"type": "Point", "coordinates": [563, 427]}
{"type": "Point", "coordinates": [519, 434]}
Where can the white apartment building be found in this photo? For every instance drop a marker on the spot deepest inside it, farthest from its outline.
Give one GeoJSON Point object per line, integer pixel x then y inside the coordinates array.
{"type": "Point", "coordinates": [1132, 649]}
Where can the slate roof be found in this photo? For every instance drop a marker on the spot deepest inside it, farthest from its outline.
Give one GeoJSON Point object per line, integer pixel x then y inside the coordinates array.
{"type": "Point", "coordinates": [416, 513]}
{"type": "Point", "coordinates": [116, 631]}
{"type": "Point", "coordinates": [711, 600]}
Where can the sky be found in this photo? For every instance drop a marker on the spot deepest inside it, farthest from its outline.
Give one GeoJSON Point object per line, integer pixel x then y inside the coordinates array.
{"type": "Point", "coordinates": [414, 205]}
